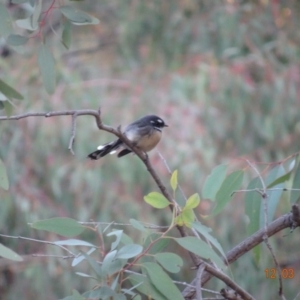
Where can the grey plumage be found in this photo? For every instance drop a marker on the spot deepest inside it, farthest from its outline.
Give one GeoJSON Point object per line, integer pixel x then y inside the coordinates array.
{"type": "Point", "coordinates": [144, 133]}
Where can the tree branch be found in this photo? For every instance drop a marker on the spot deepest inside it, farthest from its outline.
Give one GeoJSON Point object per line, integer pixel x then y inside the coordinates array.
{"type": "Point", "coordinates": [290, 220]}
{"type": "Point", "coordinates": [97, 115]}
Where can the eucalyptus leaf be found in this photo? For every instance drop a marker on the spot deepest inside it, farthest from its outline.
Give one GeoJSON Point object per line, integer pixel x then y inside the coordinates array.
{"type": "Point", "coordinates": [77, 260]}
{"type": "Point", "coordinates": [162, 281]}
{"type": "Point", "coordinates": [62, 226]}
{"type": "Point", "coordinates": [9, 92]}
{"type": "Point", "coordinates": [204, 231]}
{"type": "Point", "coordinates": [193, 201]}
{"type": "Point", "coordinates": [77, 296]}
{"type": "Point", "coordinates": [169, 261]}
{"type": "Point", "coordinates": [231, 184]}
{"type": "Point", "coordinates": [16, 40]}
{"type": "Point", "coordinates": [8, 107]}
{"type": "Point", "coordinates": [47, 68]}
{"type": "Point", "coordinates": [144, 286]}
{"type": "Point", "coordinates": [118, 234]}
{"type": "Point", "coordinates": [36, 14]}
{"type": "Point", "coordinates": [174, 180]}
{"type": "Point", "coordinates": [200, 248]}
{"type": "Point", "coordinates": [129, 251]}
{"type": "Point", "coordinates": [9, 254]}
{"type": "Point", "coordinates": [66, 34]}
{"type": "Point", "coordinates": [6, 26]}
{"type": "Point", "coordinates": [138, 225]}
{"type": "Point", "coordinates": [156, 200]}
{"type": "Point", "coordinates": [213, 182]}
{"type": "Point", "coordinates": [78, 17]}
{"type": "Point", "coordinates": [26, 24]}
{"type": "Point", "coordinates": [3, 176]}
{"type": "Point", "coordinates": [106, 263]}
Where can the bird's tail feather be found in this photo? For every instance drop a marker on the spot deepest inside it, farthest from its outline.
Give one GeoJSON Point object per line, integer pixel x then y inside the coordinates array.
{"type": "Point", "coordinates": [104, 150]}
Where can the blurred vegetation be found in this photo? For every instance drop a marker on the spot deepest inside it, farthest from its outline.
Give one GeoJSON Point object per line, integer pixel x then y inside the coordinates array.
{"type": "Point", "coordinates": [224, 75]}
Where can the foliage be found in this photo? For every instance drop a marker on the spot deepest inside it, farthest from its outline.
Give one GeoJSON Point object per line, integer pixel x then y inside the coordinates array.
{"type": "Point", "coordinates": [224, 75]}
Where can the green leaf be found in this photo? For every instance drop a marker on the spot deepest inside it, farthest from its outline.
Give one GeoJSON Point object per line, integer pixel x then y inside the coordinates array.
{"type": "Point", "coordinates": [158, 246]}
{"type": "Point", "coordinates": [78, 17]}
{"type": "Point", "coordinates": [36, 14]}
{"type": "Point", "coordinates": [213, 182]}
{"type": "Point", "coordinates": [174, 181]}
{"type": "Point", "coordinates": [156, 200]}
{"type": "Point", "coordinates": [9, 92]}
{"type": "Point", "coordinates": [9, 254]}
{"type": "Point", "coordinates": [105, 293]}
{"type": "Point", "coordinates": [138, 225]}
{"type": "Point", "coordinates": [83, 275]}
{"type": "Point", "coordinates": [192, 202]}
{"type": "Point", "coordinates": [118, 234]}
{"type": "Point", "coordinates": [186, 217]}
{"type": "Point", "coordinates": [107, 261]}
{"type": "Point", "coordinates": [129, 251]}
{"type": "Point", "coordinates": [16, 40]}
{"type": "Point", "coordinates": [200, 248]}
{"type": "Point", "coordinates": [126, 239]}
{"type": "Point", "coordinates": [78, 259]}
{"type": "Point", "coordinates": [6, 26]}
{"type": "Point", "coordinates": [95, 266]}
{"type": "Point", "coordinates": [8, 107]}
{"type": "Point", "coordinates": [26, 24]}
{"type": "Point", "coordinates": [232, 183]}
{"type": "Point", "coordinates": [280, 179]}
{"type": "Point", "coordinates": [169, 261]}
{"type": "Point", "coordinates": [144, 286]}
{"type": "Point", "coordinates": [296, 183]}
{"type": "Point", "coordinates": [3, 177]}
{"type": "Point", "coordinates": [253, 204]}
{"type": "Point", "coordinates": [77, 296]}
{"type": "Point", "coordinates": [47, 68]}
{"type": "Point", "coordinates": [62, 226]}
{"type": "Point", "coordinates": [66, 34]}
{"type": "Point", "coordinates": [162, 281]}
{"type": "Point", "coordinates": [204, 231]}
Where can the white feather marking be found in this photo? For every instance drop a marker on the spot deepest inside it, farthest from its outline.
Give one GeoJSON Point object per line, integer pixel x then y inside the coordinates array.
{"type": "Point", "coordinates": [112, 152]}
{"type": "Point", "coordinates": [100, 147]}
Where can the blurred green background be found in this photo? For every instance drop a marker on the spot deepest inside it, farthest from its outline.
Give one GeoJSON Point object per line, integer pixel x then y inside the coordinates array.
{"type": "Point", "coordinates": [224, 75]}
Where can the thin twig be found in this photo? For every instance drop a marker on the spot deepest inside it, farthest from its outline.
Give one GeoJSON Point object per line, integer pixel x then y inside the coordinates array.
{"type": "Point", "coordinates": [73, 133]}
{"type": "Point", "coordinates": [198, 278]}
{"type": "Point", "coordinates": [146, 225]}
{"type": "Point", "coordinates": [38, 241]}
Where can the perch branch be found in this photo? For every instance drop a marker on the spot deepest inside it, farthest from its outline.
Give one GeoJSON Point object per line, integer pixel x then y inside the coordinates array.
{"type": "Point", "coordinates": [97, 115]}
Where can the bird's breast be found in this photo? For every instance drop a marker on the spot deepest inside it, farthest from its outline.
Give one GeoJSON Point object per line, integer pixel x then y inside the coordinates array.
{"type": "Point", "coordinates": [149, 141]}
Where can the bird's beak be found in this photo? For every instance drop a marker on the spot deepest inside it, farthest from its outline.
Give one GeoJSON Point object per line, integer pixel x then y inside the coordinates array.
{"type": "Point", "coordinates": [166, 125]}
